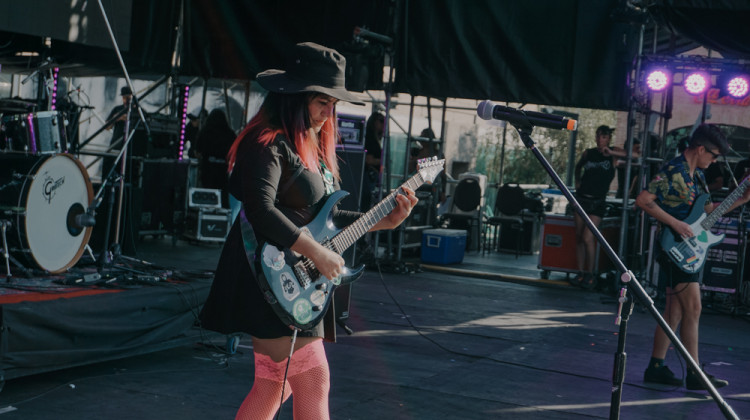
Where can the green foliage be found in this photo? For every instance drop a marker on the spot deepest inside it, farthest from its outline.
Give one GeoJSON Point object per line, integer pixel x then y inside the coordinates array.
{"type": "Point", "coordinates": [520, 165]}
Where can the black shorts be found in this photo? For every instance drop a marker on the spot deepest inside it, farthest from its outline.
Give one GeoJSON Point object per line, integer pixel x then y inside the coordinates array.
{"type": "Point", "coordinates": [593, 206]}
{"type": "Point", "coordinates": [670, 274]}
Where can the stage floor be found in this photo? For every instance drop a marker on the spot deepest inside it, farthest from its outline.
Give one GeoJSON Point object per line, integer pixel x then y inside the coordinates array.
{"type": "Point", "coordinates": [484, 339]}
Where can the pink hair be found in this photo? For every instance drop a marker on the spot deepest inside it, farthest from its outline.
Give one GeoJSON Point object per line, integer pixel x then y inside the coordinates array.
{"type": "Point", "coordinates": [284, 114]}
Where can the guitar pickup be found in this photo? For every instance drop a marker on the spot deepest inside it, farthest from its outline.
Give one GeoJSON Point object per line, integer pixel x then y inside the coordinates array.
{"type": "Point", "coordinates": [676, 254]}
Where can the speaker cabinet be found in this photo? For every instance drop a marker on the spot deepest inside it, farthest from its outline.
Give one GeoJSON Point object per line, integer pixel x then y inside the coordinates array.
{"type": "Point", "coordinates": [351, 170]}
{"type": "Point", "coordinates": [723, 261]}
{"type": "Point", "coordinates": [165, 184]}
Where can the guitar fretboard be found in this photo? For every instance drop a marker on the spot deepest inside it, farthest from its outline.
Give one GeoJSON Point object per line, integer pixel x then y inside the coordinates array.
{"type": "Point", "coordinates": [349, 235]}
{"type": "Point", "coordinates": [722, 208]}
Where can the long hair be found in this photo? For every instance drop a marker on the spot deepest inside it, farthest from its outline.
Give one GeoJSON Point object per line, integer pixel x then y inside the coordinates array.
{"type": "Point", "coordinates": [288, 114]}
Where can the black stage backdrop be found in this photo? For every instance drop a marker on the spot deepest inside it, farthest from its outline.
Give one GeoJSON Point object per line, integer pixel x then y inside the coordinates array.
{"type": "Point", "coordinates": [553, 52]}
{"type": "Point", "coordinates": [568, 53]}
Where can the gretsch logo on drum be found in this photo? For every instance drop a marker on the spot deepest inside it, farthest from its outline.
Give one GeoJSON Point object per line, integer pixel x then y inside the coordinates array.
{"type": "Point", "coordinates": [50, 186]}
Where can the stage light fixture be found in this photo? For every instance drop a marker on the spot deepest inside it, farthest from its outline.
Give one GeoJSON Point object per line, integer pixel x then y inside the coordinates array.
{"type": "Point", "coordinates": [658, 79]}
{"type": "Point", "coordinates": [738, 86]}
{"type": "Point", "coordinates": [696, 83]}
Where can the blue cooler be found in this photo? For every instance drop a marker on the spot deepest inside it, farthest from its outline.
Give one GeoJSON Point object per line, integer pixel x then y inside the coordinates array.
{"type": "Point", "coordinates": [443, 246]}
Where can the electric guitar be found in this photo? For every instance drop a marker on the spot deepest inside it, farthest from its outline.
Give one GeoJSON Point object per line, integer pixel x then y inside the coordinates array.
{"type": "Point", "coordinates": [690, 254]}
{"type": "Point", "coordinates": [297, 292]}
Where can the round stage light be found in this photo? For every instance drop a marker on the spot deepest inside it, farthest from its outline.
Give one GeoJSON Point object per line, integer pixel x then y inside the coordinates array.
{"type": "Point", "coordinates": [738, 86]}
{"type": "Point", "coordinates": [657, 80]}
{"type": "Point", "coordinates": [696, 83]}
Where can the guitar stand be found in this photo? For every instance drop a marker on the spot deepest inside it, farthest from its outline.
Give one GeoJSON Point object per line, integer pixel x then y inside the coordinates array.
{"type": "Point", "coordinates": [632, 285]}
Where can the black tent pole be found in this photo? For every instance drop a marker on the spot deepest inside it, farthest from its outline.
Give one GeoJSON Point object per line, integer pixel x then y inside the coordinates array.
{"type": "Point", "coordinates": [633, 286]}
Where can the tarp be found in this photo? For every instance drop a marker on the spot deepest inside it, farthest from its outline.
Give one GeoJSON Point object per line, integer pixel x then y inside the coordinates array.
{"type": "Point", "coordinates": [553, 52]}
{"type": "Point", "coordinates": [567, 53]}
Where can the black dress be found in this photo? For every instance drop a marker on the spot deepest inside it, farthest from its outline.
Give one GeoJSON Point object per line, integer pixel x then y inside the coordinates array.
{"type": "Point", "coordinates": [235, 302]}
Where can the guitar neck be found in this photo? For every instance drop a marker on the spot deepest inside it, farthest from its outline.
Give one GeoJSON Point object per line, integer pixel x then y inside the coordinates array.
{"type": "Point", "coordinates": [349, 235]}
{"type": "Point", "coordinates": [722, 208]}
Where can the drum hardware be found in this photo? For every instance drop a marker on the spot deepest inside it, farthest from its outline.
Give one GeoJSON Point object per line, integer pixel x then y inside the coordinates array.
{"type": "Point", "coordinates": [46, 208]}
{"type": "Point", "coordinates": [6, 254]}
{"type": "Point", "coordinates": [8, 257]}
{"type": "Point", "coordinates": [34, 133]}
{"type": "Point", "coordinates": [90, 252]}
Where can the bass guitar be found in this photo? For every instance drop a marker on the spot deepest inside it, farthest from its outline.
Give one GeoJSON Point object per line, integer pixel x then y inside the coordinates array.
{"type": "Point", "coordinates": [298, 293]}
{"type": "Point", "coordinates": [690, 254]}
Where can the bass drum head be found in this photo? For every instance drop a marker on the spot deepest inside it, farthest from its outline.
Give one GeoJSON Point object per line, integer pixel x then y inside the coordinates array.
{"type": "Point", "coordinates": [59, 190]}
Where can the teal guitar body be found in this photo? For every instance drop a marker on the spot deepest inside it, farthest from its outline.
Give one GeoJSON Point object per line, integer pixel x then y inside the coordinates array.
{"type": "Point", "coordinates": [297, 292]}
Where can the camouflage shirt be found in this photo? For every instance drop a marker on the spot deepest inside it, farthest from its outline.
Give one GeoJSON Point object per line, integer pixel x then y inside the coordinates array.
{"type": "Point", "coordinates": [675, 190]}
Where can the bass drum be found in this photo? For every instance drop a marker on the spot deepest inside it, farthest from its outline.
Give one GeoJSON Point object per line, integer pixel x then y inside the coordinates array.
{"type": "Point", "coordinates": [41, 197]}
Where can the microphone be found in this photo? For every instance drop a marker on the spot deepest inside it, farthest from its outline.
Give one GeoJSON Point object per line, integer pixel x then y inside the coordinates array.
{"type": "Point", "coordinates": [85, 220]}
{"type": "Point", "coordinates": [487, 111]}
{"type": "Point", "coordinates": [365, 33]}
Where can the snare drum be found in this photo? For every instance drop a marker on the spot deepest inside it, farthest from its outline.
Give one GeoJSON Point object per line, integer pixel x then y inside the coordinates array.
{"type": "Point", "coordinates": [35, 133]}
{"type": "Point", "coordinates": [41, 196]}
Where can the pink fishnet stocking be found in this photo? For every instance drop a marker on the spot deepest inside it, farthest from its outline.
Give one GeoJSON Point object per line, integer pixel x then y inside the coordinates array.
{"type": "Point", "coordinates": [263, 400]}
{"type": "Point", "coordinates": [310, 381]}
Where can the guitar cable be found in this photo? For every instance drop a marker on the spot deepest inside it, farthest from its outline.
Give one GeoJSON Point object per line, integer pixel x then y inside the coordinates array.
{"type": "Point", "coordinates": [286, 372]}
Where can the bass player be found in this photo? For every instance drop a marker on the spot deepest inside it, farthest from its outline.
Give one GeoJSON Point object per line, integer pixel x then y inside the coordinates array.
{"type": "Point", "coordinates": [668, 199]}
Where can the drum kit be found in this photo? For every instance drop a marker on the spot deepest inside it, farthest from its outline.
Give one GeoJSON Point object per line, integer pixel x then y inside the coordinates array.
{"type": "Point", "coordinates": [44, 191]}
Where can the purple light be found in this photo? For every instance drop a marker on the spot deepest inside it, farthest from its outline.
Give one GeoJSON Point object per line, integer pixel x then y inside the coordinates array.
{"type": "Point", "coordinates": [738, 86]}
{"type": "Point", "coordinates": [183, 120]}
{"type": "Point", "coordinates": [53, 103]}
{"type": "Point", "coordinates": [657, 80]}
{"type": "Point", "coordinates": [696, 83]}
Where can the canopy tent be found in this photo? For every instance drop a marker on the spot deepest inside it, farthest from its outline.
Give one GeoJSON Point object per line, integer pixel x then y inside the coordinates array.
{"type": "Point", "coordinates": [560, 53]}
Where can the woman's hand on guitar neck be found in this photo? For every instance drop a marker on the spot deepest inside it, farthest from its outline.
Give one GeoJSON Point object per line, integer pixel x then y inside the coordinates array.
{"type": "Point", "coordinates": [405, 202]}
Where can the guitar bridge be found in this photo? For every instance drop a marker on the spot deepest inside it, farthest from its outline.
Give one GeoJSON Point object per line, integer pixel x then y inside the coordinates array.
{"type": "Point", "coordinates": [303, 277]}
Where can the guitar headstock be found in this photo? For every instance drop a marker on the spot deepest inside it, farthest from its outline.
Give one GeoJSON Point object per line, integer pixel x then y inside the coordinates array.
{"type": "Point", "coordinates": [429, 168]}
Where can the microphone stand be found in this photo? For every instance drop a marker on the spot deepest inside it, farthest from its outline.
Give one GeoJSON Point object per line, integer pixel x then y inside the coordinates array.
{"type": "Point", "coordinates": [632, 285]}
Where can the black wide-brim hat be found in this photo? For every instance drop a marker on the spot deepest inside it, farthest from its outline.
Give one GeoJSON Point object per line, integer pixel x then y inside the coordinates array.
{"type": "Point", "coordinates": [311, 68]}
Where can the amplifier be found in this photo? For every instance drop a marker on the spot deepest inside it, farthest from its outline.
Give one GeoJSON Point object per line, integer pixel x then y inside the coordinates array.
{"type": "Point", "coordinates": [204, 198]}
{"type": "Point", "coordinates": [208, 225]}
{"type": "Point", "coordinates": [723, 262]}
{"type": "Point", "coordinates": [352, 131]}
{"type": "Point", "coordinates": [161, 123]}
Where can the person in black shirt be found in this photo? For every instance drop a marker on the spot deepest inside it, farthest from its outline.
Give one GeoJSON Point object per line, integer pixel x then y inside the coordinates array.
{"type": "Point", "coordinates": [283, 166]}
{"type": "Point", "coordinates": [594, 173]}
